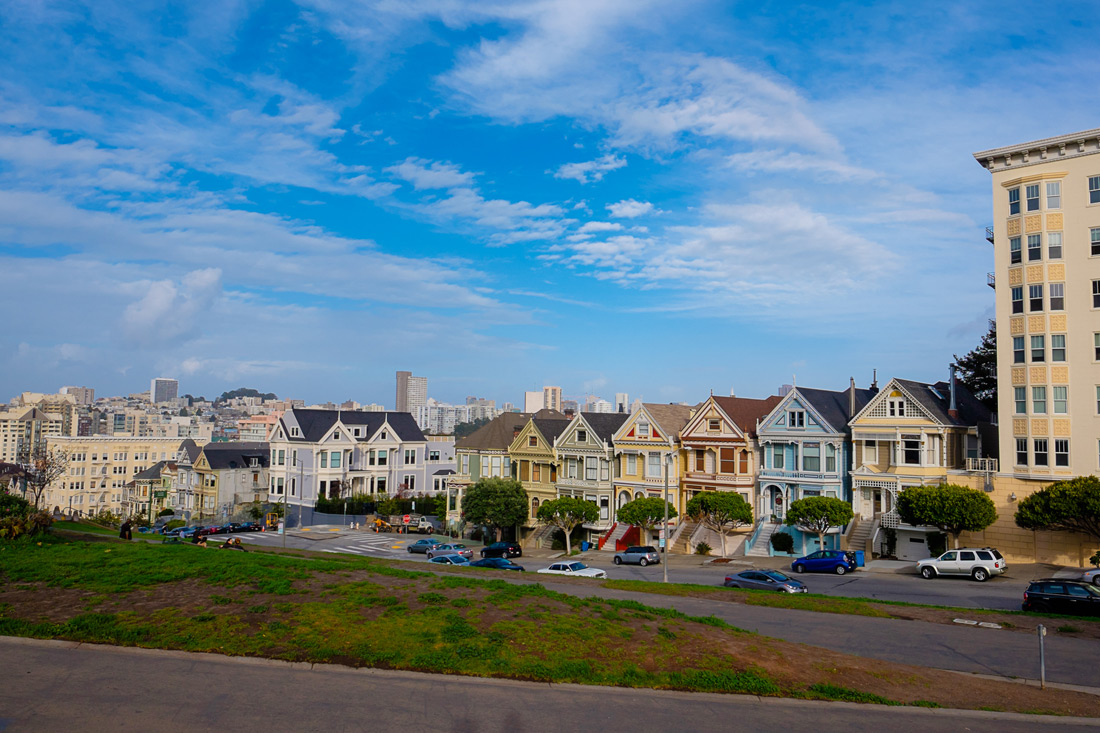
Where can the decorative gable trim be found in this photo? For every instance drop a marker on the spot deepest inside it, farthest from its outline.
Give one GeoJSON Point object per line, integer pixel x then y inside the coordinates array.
{"type": "Point", "coordinates": [878, 407]}
{"type": "Point", "coordinates": [697, 427]}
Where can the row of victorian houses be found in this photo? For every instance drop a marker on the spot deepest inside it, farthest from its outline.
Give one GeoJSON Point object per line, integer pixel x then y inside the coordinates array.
{"type": "Point", "coordinates": [860, 445]}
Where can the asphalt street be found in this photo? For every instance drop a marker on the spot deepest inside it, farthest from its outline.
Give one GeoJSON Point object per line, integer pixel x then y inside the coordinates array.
{"type": "Point", "coordinates": [67, 686]}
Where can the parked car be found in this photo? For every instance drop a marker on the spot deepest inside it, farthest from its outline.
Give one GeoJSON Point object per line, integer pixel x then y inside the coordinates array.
{"type": "Point", "coordinates": [251, 527]}
{"type": "Point", "coordinates": [451, 559]}
{"type": "Point", "coordinates": [638, 556]}
{"type": "Point", "coordinates": [502, 549]}
{"type": "Point", "coordinates": [186, 532]}
{"type": "Point", "coordinates": [497, 563]}
{"type": "Point", "coordinates": [177, 532]}
{"type": "Point", "coordinates": [453, 548]}
{"type": "Point", "coordinates": [1091, 576]}
{"type": "Point", "coordinates": [825, 561]}
{"type": "Point", "coordinates": [765, 580]}
{"type": "Point", "coordinates": [574, 568]}
{"type": "Point", "coordinates": [978, 563]}
{"type": "Point", "coordinates": [1056, 595]}
{"type": "Point", "coordinates": [218, 529]}
{"type": "Point", "coordinates": [422, 546]}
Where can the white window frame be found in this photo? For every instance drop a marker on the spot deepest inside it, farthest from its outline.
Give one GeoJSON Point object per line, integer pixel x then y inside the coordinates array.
{"type": "Point", "coordinates": [870, 452]}
{"type": "Point", "coordinates": [1054, 194]}
{"type": "Point", "coordinates": [1019, 398]}
{"type": "Point", "coordinates": [1061, 404]}
{"type": "Point", "coordinates": [1054, 245]}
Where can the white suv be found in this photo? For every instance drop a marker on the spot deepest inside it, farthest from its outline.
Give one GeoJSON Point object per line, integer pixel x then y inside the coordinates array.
{"type": "Point", "coordinates": [978, 563]}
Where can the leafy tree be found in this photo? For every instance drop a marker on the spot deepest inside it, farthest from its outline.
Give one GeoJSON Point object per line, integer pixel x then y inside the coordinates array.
{"type": "Point", "coordinates": [496, 503]}
{"type": "Point", "coordinates": [720, 511]}
{"type": "Point", "coordinates": [245, 392]}
{"type": "Point", "coordinates": [954, 509]}
{"type": "Point", "coordinates": [43, 466]}
{"type": "Point", "coordinates": [567, 513]}
{"type": "Point", "coordinates": [255, 511]}
{"type": "Point", "coordinates": [646, 513]}
{"type": "Point", "coordinates": [463, 429]}
{"type": "Point", "coordinates": [817, 514]}
{"type": "Point", "coordinates": [1065, 506]}
{"type": "Point", "coordinates": [978, 368]}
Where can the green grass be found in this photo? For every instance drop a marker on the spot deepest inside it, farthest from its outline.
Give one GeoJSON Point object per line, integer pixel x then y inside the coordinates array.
{"type": "Point", "coordinates": [1068, 629]}
{"type": "Point", "coordinates": [64, 524]}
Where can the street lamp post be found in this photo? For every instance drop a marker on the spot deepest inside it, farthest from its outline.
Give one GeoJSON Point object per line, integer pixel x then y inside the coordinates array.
{"type": "Point", "coordinates": [664, 546]}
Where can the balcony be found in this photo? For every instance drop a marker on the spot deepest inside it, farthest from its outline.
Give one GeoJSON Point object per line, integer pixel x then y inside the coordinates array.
{"type": "Point", "coordinates": [991, 280]}
{"type": "Point", "coordinates": [989, 234]}
{"type": "Point", "coordinates": [982, 465]}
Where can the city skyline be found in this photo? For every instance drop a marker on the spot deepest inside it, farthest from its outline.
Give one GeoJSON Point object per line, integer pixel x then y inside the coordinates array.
{"type": "Point", "coordinates": [304, 199]}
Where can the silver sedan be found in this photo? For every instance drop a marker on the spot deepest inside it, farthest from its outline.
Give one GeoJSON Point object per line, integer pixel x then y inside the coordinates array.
{"type": "Point", "coordinates": [765, 580]}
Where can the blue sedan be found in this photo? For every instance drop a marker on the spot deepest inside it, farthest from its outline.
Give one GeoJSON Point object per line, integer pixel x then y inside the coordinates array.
{"type": "Point", "coordinates": [825, 561]}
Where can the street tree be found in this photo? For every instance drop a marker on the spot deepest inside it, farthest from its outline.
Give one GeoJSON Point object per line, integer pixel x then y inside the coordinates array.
{"type": "Point", "coordinates": [568, 513]}
{"type": "Point", "coordinates": [42, 466]}
{"type": "Point", "coordinates": [818, 514]}
{"type": "Point", "coordinates": [646, 513]}
{"type": "Point", "coordinates": [954, 509]}
{"type": "Point", "coordinates": [1064, 506]}
{"type": "Point", "coordinates": [496, 503]}
{"type": "Point", "coordinates": [978, 368]}
{"type": "Point", "coordinates": [720, 511]}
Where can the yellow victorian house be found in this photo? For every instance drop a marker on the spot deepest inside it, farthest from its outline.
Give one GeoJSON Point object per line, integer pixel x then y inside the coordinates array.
{"type": "Point", "coordinates": [534, 464]}
{"type": "Point", "coordinates": [649, 438]}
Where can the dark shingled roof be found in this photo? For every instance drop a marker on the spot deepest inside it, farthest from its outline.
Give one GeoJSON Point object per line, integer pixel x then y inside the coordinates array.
{"type": "Point", "coordinates": [551, 428]}
{"type": "Point", "coordinates": [499, 432]}
{"type": "Point", "coordinates": [604, 424]}
{"type": "Point", "coordinates": [746, 411]}
{"type": "Point", "coordinates": [192, 448]}
{"type": "Point", "coordinates": [315, 423]}
{"type": "Point", "coordinates": [971, 411]}
{"type": "Point", "coordinates": [235, 454]}
{"type": "Point", "coordinates": [833, 406]}
{"type": "Point", "coordinates": [152, 473]}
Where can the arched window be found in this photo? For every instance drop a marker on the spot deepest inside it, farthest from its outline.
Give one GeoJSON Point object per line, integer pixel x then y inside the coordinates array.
{"type": "Point", "coordinates": [535, 507]}
{"type": "Point", "coordinates": [743, 462]}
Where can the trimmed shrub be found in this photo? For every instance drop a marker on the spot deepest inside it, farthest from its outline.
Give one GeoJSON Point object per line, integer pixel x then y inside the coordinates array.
{"type": "Point", "coordinates": [702, 549]}
{"type": "Point", "coordinates": [782, 542]}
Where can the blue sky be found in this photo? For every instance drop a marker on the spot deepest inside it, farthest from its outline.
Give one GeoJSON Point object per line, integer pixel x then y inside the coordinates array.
{"type": "Point", "coordinates": [656, 198]}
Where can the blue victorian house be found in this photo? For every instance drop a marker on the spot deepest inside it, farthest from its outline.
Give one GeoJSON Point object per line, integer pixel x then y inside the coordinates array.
{"type": "Point", "coordinates": [806, 451]}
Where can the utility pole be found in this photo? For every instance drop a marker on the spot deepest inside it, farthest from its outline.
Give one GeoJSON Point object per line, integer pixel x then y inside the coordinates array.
{"type": "Point", "coordinates": [664, 545]}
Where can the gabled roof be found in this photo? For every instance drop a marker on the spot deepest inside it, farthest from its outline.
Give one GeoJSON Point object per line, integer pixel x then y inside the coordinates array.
{"type": "Point", "coordinates": [499, 432]}
{"type": "Point", "coordinates": [235, 454]}
{"type": "Point", "coordinates": [315, 424]}
{"type": "Point", "coordinates": [604, 424]}
{"type": "Point", "coordinates": [834, 406]}
{"type": "Point", "coordinates": [670, 418]}
{"type": "Point", "coordinates": [970, 410]}
{"type": "Point", "coordinates": [192, 448]}
{"type": "Point", "coordinates": [152, 473]}
{"type": "Point", "coordinates": [745, 411]}
{"type": "Point", "coordinates": [551, 428]}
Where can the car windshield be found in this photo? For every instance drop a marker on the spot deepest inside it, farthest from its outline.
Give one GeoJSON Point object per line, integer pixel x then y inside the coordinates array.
{"type": "Point", "coordinates": [775, 575]}
{"type": "Point", "coordinates": [575, 566]}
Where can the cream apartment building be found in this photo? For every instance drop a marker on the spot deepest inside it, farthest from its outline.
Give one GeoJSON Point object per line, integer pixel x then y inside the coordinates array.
{"type": "Point", "coordinates": [1046, 237]}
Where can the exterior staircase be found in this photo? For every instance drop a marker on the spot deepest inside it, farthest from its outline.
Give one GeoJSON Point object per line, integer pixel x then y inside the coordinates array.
{"type": "Point", "coordinates": [762, 546]}
{"type": "Point", "coordinates": [542, 537]}
{"type": "Point", "coordinates": [862, 534]}
{"type": "Point", "coordinates": [609, 540]}
{"type": "Point", "coordinates": [683, 538]}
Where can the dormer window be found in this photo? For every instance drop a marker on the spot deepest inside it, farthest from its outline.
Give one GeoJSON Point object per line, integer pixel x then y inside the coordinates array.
{"type": "Point", "coordinates": [532, 441]}
{"type": "Point", "coordinates": [383, 436]}
{"type": "Point", "coordinates": [896, 408]}
{"type": "Point", "coordinates": [293, 433]}
{"type": "Point", "coordinates": [796, 418]}
{"type": "Point", "coordinates": [336, 435]}
{"type": "Point", "coordinates": [357, 432]}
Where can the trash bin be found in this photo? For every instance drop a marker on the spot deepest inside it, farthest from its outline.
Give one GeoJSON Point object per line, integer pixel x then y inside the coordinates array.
{"type": "Point", "coordinates": [585, 546]}
{"type": "Point", "coordinates": [859, 558]}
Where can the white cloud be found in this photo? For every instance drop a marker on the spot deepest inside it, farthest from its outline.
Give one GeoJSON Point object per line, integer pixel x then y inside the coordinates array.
{"type": "Point", "coordinates": [629, 209]}
{"type": "Point", "coordinates": [778, 161]}
{"type": "Point", "coordinates": [424, 174]}
{"type": "Point", "coordinates": [169, 312]}
{"type": "Point", "coordinates": [600, 226]}
{"type": "Point", "coordinates": [590, 171]}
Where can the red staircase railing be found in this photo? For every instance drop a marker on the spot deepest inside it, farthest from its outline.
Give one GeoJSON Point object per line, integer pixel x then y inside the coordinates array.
{"type": "Point", "coordinates": [606, 536]}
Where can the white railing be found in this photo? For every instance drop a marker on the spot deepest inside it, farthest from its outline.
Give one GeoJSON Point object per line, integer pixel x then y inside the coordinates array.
{"type": "Point", "coordinates": [982, 464]}
{"type": "Point", "coordinates": [889, 520]}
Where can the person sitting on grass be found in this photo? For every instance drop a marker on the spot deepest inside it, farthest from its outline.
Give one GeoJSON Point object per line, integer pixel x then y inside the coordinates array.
{"type": "Point", "coordinates": [233, 544]}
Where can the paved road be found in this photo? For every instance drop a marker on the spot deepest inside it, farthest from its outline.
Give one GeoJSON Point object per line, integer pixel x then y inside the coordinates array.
{"type": "Point", "coordinates": [62, 686]}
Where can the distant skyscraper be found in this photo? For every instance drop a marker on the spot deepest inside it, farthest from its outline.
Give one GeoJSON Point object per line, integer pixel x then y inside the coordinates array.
{"type": "Point", "coordinates": [412, 392]}
{"type": "Point", "coordinates": [622, 402]}
{"type": "Point", "coordinates": [551, 398]}
{"type": "Point", "coordinates": [163, 389]}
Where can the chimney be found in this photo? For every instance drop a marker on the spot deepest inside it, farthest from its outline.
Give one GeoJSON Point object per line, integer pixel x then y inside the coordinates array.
{"type": "Point", "coordinates": [874, 381]}
{"type": "Point", "coordinates": [952, 410]}
{"type": "Point", "coordinates": [851, 397]}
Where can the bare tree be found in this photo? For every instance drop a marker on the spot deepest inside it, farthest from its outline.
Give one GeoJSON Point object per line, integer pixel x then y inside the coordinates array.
{"type": "Point", "coordinates": [43, 466]}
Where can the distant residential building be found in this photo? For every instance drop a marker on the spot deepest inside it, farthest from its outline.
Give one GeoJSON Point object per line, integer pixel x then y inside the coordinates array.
{"type": "Point", "coordinates": [27, 428]}
{"type": "Point", "coordinates": [551, 398]}
{"type": "Point", "coordinates": [163, 389]}
{"type": "Point", "coordinates": [231, 474]}
{"type": "Point", "coordinates": [259, 427]}
{"type": "Point", "coordinates": [533, 402]}
{"type": "Point", "coordinates": [647, 441]}
{"type": "Point", "coordinates": [599, 405]}
{"type": "Point", "coordinates": [412, 392]}
{"type": "Point", "coordinates": [83, 395]}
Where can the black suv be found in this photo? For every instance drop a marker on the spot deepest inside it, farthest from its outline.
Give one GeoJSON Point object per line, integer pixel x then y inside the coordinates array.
{"type": "Point", "coordinates": [1056, 595]}
{"type": "Point", "coordinates": [503, 549]}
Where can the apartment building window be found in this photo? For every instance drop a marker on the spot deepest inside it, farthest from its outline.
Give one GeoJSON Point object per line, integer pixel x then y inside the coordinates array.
{"type": "Point", "coordinates": [1058, 347]}
{"type": "Point", "coordinates": [279, 486]}
{"type": "Point", "coordinates": [282, 458]}
{"type": "Point", "coordinates": [1021, 451]}
{"type": "Point", "coordinates": [830, 458]}
{"type": "Point", "coordinates": [1054, 194]}
{"type": "Point", "coordinates": [1060, 401]}
{"type": "Point", "coordinates": [778, 453]}
{"type": "Point", "coordinates": [1034, 247]}
{"type": "Point", "coordinates": [410, 456]}
{"type": "Point", "coordinates": [1061, 452]}
{"type": "Point", "coordinates": [1039, 400]}
{"type": "Point", "coordinates": [1035, 297]}
{"type": "Point", "coordinates": [796, 419]}
{"type": "Point", "coordinates": [1018, 298]}
{"type": "Point", "coordinates": [653, 465]}
{"type": "Point", "coordinates": [896, 408]}
{"type": "Point", "coordinates": [1019, 395]}
{"type": "Point", "coordinates": [1057, 296]}
{"type": "Point", "coordinates": [433, 455]}
{"type": "Point", "coordinates": [1038, 348]}
{"type": "Point", "coordinates": [811, 457]}
{"type": "Point", "coordinates": [1015, 252]}
{"type": "Point", "coordinates": [1018, 349]}
{"type": "Point", "coordinates": [1094, 241]}
{"type": "Point", "coordinates": [1054, 245]}
{"type": "Point", "coordinates": [1094, 189]}
{"type": "Point", "coordinates": [1014, 200]}
{"type": "Point", "coordinates": [1096, 293]}
{"type": "Point", "coordinates": [1041, 457]}
{"type": "Point", "coordinates": [334, 459]}
{"type": "Point", "coordinates": [911, 452]}
{"type": "Point", "coordinates": [1031, 193]}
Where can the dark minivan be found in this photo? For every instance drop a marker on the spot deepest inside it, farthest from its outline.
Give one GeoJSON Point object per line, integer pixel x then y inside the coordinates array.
{"type": "Point", "coordinates": [1055, 595]}
{"type": "Point", "coordinates": [503, 549]}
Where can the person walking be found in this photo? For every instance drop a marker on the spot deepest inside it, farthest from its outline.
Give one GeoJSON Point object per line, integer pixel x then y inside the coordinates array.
{"type": "Point", "coordinates": [124, 532]}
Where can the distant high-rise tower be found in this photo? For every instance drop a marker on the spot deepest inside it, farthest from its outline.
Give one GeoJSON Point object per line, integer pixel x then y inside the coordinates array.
{"type": "Point", "coordinates": [622, 402]}
{"type": "Point", "coordinates": [83, 395]}
{"type": "Point", "coordinates": [551, 398]}
{"type": "Point", "coordinates": [163, 389]}
{"type": "Point", "coordinates": [532, 401]}
{"type": "Point", "coordinates": [412, 392]}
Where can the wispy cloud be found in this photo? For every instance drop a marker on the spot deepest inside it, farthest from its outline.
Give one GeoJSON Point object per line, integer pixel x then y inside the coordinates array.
{"type": "Point", "coordinates": [629, 209]}
{"type": "Point", "coordinates": [590, 171]}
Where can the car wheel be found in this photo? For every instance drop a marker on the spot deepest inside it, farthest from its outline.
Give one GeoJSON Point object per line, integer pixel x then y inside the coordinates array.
{"type": "Point", "coordinates": [840, 570]}
{"type": "Point", "coordinates": [410, 550]}
{"type": "Point", "coordinates": [1039, 607]}
{"type": "Point", "coordinates": [483, 554]}
{"type": "Point", "coordinates": [505, 555]}
{"type": "Point", "coordinates": [732, 585]}
{"type": "Point", "coordinates": [800, 568]}
{"type": "Point", "coordinates": [927, 573]}
{"type": "Point", "coordinates": [618, 561]}
{"type": "Point", "coordinates": [1096, 580]}
{"type": "Point", "coordinates": [643, 562]}
{"type": "Point", "coordinates": [980, 574]}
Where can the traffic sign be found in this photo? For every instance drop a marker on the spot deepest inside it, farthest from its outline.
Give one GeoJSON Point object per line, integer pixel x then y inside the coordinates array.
{"type": "Point", "coordinates": [406, 519]}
